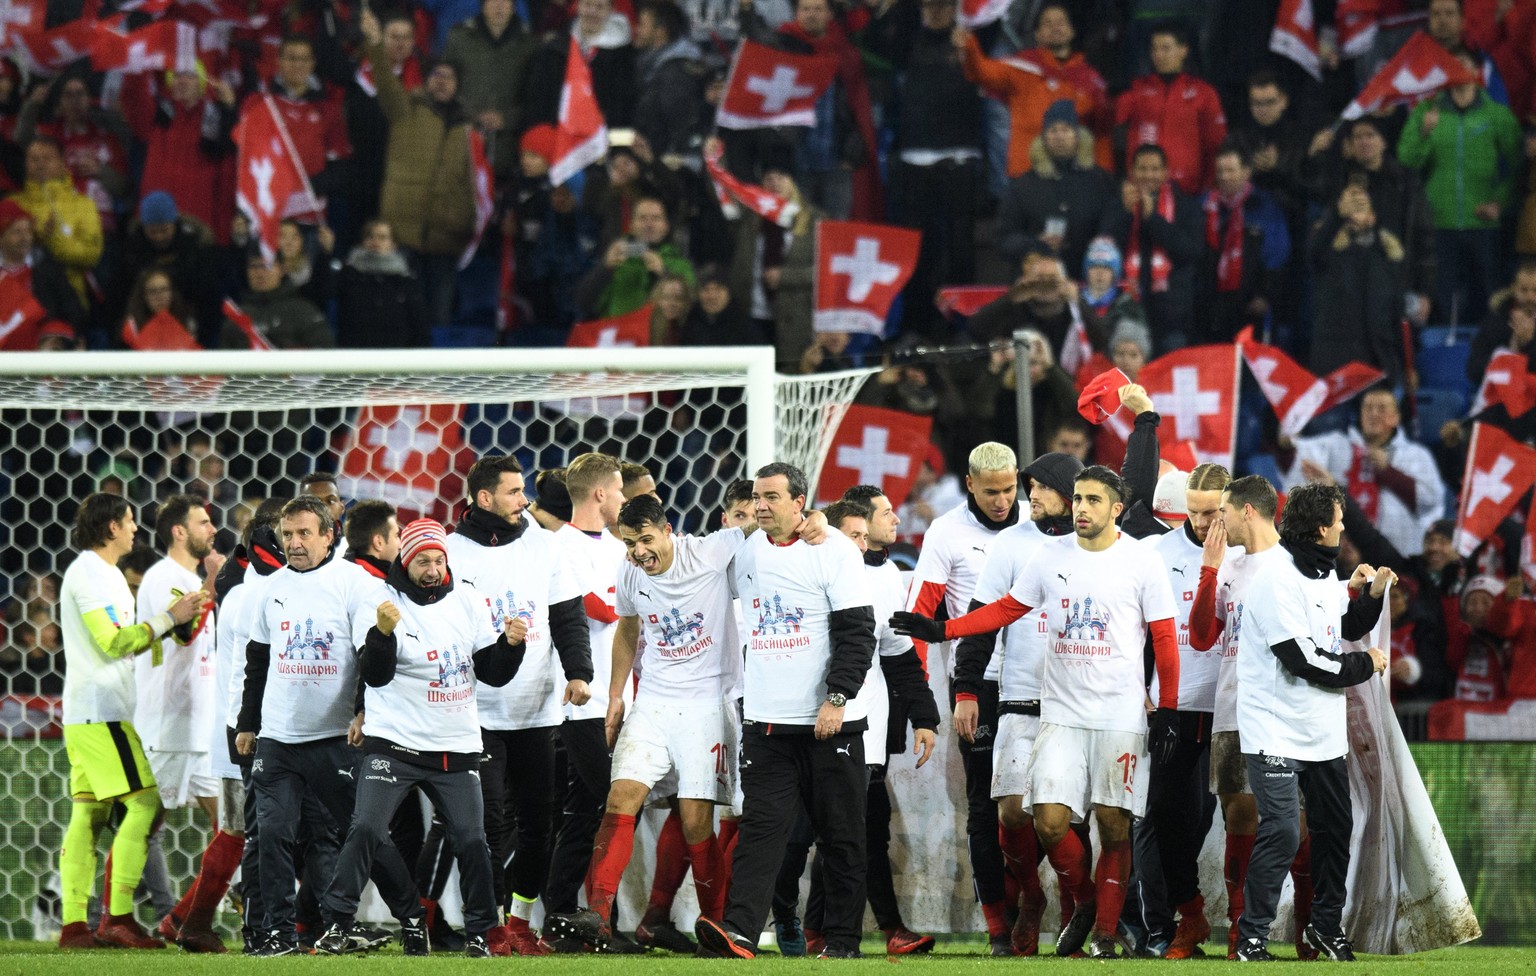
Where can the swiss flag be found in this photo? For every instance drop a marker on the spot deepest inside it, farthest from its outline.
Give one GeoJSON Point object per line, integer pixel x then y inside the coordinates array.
{"type": "Point", "coordinates": [167, 45]}
{"type": "Point", "coordinates": [1195, 391]}
{"type": "Point", "coordinates": [20, 316]}
{"type": "Point", "coordinates": [1499, 471]}
{"type": "Point", "coordinates": [768, 87]}
{"type": "Point", "coordinates": [269, 171]}
{"type": "Point", "coordinates": [860, 269]}
{"type": "Point", "coordinates": [875, 446]}
{"type": "Point", "coordinates": [485, 192]}
{"type": "Point", "coordinates": [47, 52]}
{"type": "Point", "coordinates": [1295, 36]}
{"type": "Point", "coordinates": [412, 457]}
{"type": "Point", "coordinates": [581, 138]}
{"type": "Point", "coordinates": [967, 300]}
{"type": "Point", "coordinates": [1507, 382]}
{"type": "Point", "coordinates": [730, 190]}
{"type": "Point", "coordinates": [162, 333]}
{"type": "Point", "coordinates": [1421, 68]}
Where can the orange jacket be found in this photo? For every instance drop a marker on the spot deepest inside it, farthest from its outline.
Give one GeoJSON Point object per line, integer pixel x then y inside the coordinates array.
{"type": "Point", "coordinates": [1027, 94]}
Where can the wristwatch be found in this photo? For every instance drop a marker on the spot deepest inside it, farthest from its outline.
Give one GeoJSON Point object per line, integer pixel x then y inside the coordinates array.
{"type": "Point", "coordinates": [836, 700]}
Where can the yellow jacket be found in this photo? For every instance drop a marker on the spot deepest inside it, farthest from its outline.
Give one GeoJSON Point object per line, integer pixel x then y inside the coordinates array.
{"type": "Point", "coordinates": [67, 226]}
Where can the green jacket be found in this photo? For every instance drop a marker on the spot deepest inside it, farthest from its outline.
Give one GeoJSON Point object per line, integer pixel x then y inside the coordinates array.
{"type": "Point", "coordinates": [1469, 158]}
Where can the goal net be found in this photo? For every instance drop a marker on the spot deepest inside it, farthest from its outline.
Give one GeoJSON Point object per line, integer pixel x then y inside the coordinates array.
{"type": "Point", "coordinates": [237, 428]}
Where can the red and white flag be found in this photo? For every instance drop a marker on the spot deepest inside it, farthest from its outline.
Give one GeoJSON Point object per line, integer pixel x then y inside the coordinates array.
{"type": "Point", "coordinates": [47, 52]}
{"type": "Point", "coordinates": [980, 13]}
{"type": "Point", "coordinates": [1421, 68]}
{"type": "Point", "coordinates": [1506, 382]}
{"type": "Point", "coordinates": [1500, 470]}
{"type": "Point", "coordinates": [860, 269]}
{"type": "Point", "coordinates": [732, 191]}
{"type": "Point", "coordinates": [243, 322]}
{"type": "Point", "coordinates": [875, 446]}
{"type": "Point", "coordinates": [581, 138]}
{"type": "Point", "coordinates": [768, 87]}
{"type": "Point", "coordinates": [1195, 390]}
{"type": "Point", "coordinates": [411, 457]}
{"type": "Point", "coordinates": [1295, 36]}
{"type": "Point", "coordinates": [167, 45]}
{"type": "Point", "coordinates": [485, 192]}
{"type": "Point", "coordinates": [270, 173]}
{"type": "Point", "coordinates": [162, 333]}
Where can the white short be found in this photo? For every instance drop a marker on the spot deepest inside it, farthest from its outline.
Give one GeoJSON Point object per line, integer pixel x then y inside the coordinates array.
{"type": "Point", "coordinates": [1010, 754]}
{"type": "Point", "coordinates": [182, 777]}
{"type": "Point", "coordinates": [699, 742]}
{"type": "Point", "coordinates": [1083, 768]}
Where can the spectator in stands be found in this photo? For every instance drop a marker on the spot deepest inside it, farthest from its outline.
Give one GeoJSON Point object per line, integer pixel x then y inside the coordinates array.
{"type": "Point", "coordinates": [64, 220]}
{"type": "Point", "coordinates": [313, 275]}
{"type": "Point", "coordinates": [935, 165]}
{"type": "Point", "coordinates": [379, 304]}
{"type": "Point", "coordinates": [671, 299]}
{"type": "Point", "coordinates": [1360, 275]}
{"type": "Point", "coordinates": [166, 239]}
{"type": "Point", "coordinates": [1041, 299]}
{"type": "Point", "coordinates": [154, 292]}
{"type": "Point", "coordinates": [1056, 61]}
{"type": "Point", "coordinates": [43, 277]}
{"type": "Point", "coordinates": [1391, 478]}
{"type": "Point", "coordinates": [1175, 110]}
{"type": "Point", "coordinates": [1396, 197]}
{"type": "Point", "coordinates": [633, 265]}
{"type": "Point", "coordinates": [603, 37]}
{"type": "Point", "coordinates": [428, 195]}
{"type": "Point", "coordinates": [185, 130]}
{"type": "Point", "coordinates": [718, 318]}
{"type": "Point", "coordinates": [367, 129]}
{"type": "Point", "coordinates": [1060, 202]}
{"type": "Point", "coordinates": [669, 76]}
{"type": "Point", "coordinates": [314, 114]}
{"type": "Point", "coordinates": [1161, 232]}
{"type": "Point", "coordinates": [843, 139]}
{"type": "Point", "coordinates": [493, 50]}
{"type": "Point", "coordinates": [1027, 95]}
{"type": "Point", "coordinates": [1469, 149]}
{"type": "Point", "coordinates": [1274, 140]}
{"type": "Point", "coordinates": [276, 311]}
{"type": "Point", "coordinates": [1510, 324]}
{"type": "Point", "coordinates": [92, 139]}
{"type": "Point", "coordinates": [1247, 244]}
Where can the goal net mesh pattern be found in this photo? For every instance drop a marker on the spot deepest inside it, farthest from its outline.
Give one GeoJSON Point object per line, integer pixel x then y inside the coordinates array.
{"type": "Point", "coordinates": [235, 440]}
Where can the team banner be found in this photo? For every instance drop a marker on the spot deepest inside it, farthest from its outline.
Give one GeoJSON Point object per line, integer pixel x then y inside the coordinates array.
{"type": "Point", "coordinates": [1404, 893]}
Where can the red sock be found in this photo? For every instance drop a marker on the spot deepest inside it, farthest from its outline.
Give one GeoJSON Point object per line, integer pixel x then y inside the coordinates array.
{"type": "Point", "coordinates": [671, 863]}
{"type": "Point", "coordinates": [1109, 881]}
{"type": "Point", "coordinates": [729, 833]}
{"type": "Point", "coordinates": [1022, 861]}
{"type": "Point", "coordinates": [1074, 868]}
{"type": "Point", "coordinates": [996, 914]}
{"type": "Point", "coordinates": [220, 860]}
{"type": "Point", "coordinates": [1239, 850]}
{"type": "Point", "coordinates": [709, 877]}
{"type": "Point", "coordinates": [611, 848]}
{"type": "Point", "coordinates": [1301, 877]}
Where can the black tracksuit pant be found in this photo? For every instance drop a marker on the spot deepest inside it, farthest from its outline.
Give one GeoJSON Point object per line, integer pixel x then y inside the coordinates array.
{"type": "Point", "coordinates": [387, 780]}
{"type": "Point", "coordinates": [1278, 785]}
{"type": "Point", "coordinates": [588, 771]}
{"type": "Point", "coordinates": [282, 774]}
{"type": "Point", "coordinates": [781, 774]}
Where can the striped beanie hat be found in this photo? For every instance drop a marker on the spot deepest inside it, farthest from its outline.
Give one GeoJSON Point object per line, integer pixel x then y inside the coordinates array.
{"type": "Point", "coordinates": [419, 536]}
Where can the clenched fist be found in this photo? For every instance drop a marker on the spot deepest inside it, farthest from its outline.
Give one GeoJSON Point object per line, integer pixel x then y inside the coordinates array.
{"type": "Point", "coordinates": [388, 618]}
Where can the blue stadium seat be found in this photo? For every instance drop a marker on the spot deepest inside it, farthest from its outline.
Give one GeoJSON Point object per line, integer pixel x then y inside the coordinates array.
{"type": "Point", "coordinates": [1435, 407]}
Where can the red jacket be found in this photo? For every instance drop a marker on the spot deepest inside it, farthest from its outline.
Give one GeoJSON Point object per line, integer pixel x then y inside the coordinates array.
{"type": "Point", "coordinates": [1183, 117]}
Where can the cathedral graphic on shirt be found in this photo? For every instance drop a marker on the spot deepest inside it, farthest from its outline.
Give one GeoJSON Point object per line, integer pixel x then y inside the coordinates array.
{"type": "Point", "coordinates": [774, 618]}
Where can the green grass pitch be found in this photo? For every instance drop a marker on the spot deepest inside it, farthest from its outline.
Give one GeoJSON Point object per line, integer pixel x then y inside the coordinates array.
{"type": "Point", "coordinates": [955, 955]}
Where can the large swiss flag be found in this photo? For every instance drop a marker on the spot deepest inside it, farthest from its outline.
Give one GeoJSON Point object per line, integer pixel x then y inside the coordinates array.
{"type": "Point", "coordinates": [860, 269]}
{"type": "Point", "coordinates": [1195, 391]}
{"type": "Point", "coordinates": [412, 457]}
{"type": "Point", "coordinates": [1418, 70]}
{"type": "Point", "coordinates": [1500, 470]}
{"type": "Point", "coordinates": [768, 87]}
{"type": "Point", "coordinates": [875, 446]}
